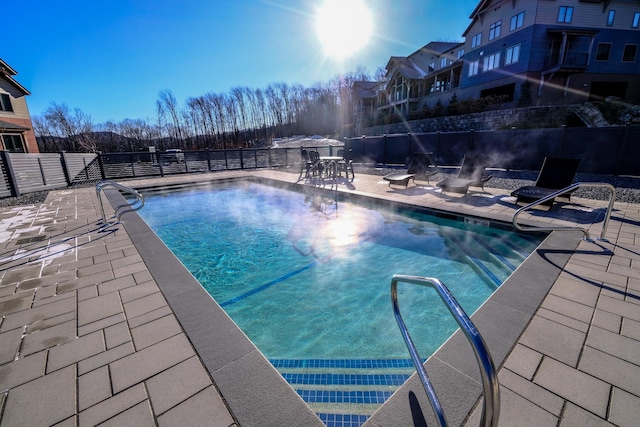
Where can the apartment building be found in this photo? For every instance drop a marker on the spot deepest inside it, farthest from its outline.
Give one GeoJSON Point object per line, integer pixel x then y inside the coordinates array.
{"type": "Point", "coordinates": [16, 130]}
{"type": "Point", "coordinates": [568, 51]}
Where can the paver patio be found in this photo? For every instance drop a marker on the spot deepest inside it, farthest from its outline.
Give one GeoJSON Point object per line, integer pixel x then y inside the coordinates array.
{"type": "Point", "coordinates": [88, 337]}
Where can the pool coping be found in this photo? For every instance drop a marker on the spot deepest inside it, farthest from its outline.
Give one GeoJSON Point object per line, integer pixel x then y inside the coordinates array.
{"type": "Point", "coordinates": [257, 394]}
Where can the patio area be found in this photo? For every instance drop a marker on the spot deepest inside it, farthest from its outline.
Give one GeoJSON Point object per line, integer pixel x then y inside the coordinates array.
{"type": "Point", "coordinates": [93, 327]}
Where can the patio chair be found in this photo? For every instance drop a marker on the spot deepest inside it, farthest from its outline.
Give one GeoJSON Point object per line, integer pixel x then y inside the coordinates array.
{"type": "Point", "coordinates": [316, 165]}
{"type": "Point", "coordinates": [556, 173]}
{"type": "Point", "coordinates": [311, 164]}
{"type": "Point", "coordinates": [418, 169]}
{"type": "Point", "coordinates": [346, 164]}
{"type": "Point", "coordinates": [471, 174]}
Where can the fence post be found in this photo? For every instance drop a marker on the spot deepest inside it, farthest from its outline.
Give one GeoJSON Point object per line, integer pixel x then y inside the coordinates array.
{"type": "Point", "coordinates": [101, 166]}
{"type": "Point", "coordinates": [437, 153]}
{"type": "Point", "coordinates": [384, 149]}
{"type": "Point", "coordinates": [562, 136]}
{"type": "Point", "coordinates": [623, 144]}
{"type": "Point", "coordinates": [65, 167]}
{"type": "Point", "coordinates": [86, 170]}
{"type": "Point", "coordinates": [241, 159]}
{"type": "Point", "coordinates": [512, 140]}
{"type": "Point", "coordinates": [471, 135]}
{"type": "Point", "coordinates": [11, 177]}
{"type": "Point", "coordinates": [133, 168]}
{"type": "Point", "coordinates": [44, 178]}
{"type": "Point", "coordinates": [160, 165]}
{"type": "Point", "coordinates": [208, 159]}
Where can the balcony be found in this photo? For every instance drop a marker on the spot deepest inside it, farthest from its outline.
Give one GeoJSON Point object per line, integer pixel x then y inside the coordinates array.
{"type": "Point", "coordinates": [574, 62]}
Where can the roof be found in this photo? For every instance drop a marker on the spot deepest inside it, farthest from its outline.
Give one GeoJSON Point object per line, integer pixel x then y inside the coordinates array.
{"type": "Point", "coordinates": [480, 9]}
{"type": "Point", "coordinates": [406, 67]}
{"type": "Point", "coordinates": [6, 126]}
{"type": "Point", "coordinates": [7, 72]}
{"type": "Point", "coordinates": [365, 89]}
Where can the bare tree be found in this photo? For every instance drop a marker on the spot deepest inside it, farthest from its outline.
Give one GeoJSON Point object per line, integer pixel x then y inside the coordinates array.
{"type": "Point", "coordinates": [169, 115]}
{"type": "Point", "coordinates": [76, 129]}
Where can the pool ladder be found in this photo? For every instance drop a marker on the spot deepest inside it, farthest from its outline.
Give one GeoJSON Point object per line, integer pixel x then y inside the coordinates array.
{"type": "Point", "coordinates": [490, 387]}
{"type": "Point", "coordinates": [569, 189]}
{"type": "Point", "coordinates": [120, 210]}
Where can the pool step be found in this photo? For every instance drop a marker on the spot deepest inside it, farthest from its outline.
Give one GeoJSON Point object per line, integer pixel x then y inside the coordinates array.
{"type": "Point", "coordinates": [344, 392]}
{"type": "Point", "coordinates": [492, 256]}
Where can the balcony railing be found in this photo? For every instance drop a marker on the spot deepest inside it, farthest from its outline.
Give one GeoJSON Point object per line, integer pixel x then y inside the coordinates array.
{"type": "Point", "coordinates": [571, 60]}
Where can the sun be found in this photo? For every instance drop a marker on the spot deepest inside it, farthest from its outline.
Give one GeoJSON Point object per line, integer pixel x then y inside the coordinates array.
{"type": "Point", "coordinates": [343, 27]}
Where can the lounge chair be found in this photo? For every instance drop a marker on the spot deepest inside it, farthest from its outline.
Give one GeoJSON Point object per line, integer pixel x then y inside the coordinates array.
{"type": "Point", "coordinates": [556, 174]}
{"type": "Point", "coordinates": [471, 174]}
{"type": "Point", "coordinates": [418, 169]}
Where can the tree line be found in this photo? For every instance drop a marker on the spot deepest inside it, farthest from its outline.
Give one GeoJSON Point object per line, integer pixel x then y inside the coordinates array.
{"type": "Point", "coordinates": [244, 117]}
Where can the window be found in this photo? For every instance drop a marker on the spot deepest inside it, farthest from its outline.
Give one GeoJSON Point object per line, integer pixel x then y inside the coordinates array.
{"type": "Point", "coordinates": [512, 55]}
{"type": "Point", "coordinates": [443, 62]}
{"type": "Point", "coordinates": [565, 13]}
{"type": "Point", "coordinates": [636, 20]}
{"type": "Point", "coordinates": [494, 30]}
{"type": "Point", "coordinates": [460, 53]}
{"type": "Point", "coordinates": [629, 52]}
{"type": "Point", "coordinates": [5, 103]}
{"type": "Point", "coordinates": [611, 17]}
{"type": "Point", "coordinates": [491, 62]}
{"type": "Point", "coordinates": [604, 49]}
{"type": "Point", "coordinates": [473, 68]}
{"type": "Point", "coordinates": [516, 21]}
{"type": "Point", "coordinates": [476, 40]}
{"type": "Point", "coordinates": [432, 67]}
{"type": "Point", "coordinates": [13, 143]}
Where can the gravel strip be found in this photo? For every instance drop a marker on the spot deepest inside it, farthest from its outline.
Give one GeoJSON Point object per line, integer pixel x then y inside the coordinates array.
{"type": "Point", "coordinates": [627, 188]}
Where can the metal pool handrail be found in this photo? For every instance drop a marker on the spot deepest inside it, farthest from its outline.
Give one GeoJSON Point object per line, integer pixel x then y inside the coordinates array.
{"type": "Point", "coordinates": [127, 207]}
{"type": "Point", "coordinates": [570, 188]}
{"type": "Point", "coordinates": [490, 387]}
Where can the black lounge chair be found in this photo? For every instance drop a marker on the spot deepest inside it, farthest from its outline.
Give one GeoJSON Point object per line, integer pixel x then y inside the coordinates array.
{"type": "Point", "coordinates": [418, 169]}
{"type": "Point", "coordinates": [556, 173]}
{"type": "Point", "coordinates": [471, 174]}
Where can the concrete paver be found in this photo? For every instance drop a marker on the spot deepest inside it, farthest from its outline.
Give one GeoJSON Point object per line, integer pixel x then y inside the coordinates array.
{"type": "Point", "coordinates": [87, 333]}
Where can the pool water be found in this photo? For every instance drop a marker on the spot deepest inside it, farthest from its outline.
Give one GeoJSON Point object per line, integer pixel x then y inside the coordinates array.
{"type": "Point", "coordinates": [307, 277]}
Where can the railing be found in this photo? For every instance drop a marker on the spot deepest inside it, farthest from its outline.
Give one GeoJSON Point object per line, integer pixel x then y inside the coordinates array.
{"type": "Point", "coordinates": [579, 59]}
{"type": "Point", "coordinates": [569, 189]}
{"type": "Point", "coordinates": [121, 209]}
{"type": "Point", "coordinates": [490, 387]}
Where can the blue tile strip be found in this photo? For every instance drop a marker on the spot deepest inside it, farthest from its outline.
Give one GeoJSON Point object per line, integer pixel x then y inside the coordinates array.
{"type": "Point", "coordinates": [343, 420]}
{"type": "Point", "coordinates": [338, 396]}
{"type": "Point", "coordinates": [268, 285]}
{"type": "Point", "coordinates": [342, 363]}
{"type": "Point", "coordinates": [345, 379]}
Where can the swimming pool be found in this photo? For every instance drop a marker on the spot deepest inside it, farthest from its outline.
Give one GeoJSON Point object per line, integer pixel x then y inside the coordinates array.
{"type": "Point", "coordinates": [256, 249]}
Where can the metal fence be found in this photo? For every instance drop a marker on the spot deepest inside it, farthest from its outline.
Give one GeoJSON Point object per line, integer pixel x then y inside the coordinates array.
{"type": "Point", "coordinates": [612, 150]}
{"type": "Point", "coordinates": [25, 173]}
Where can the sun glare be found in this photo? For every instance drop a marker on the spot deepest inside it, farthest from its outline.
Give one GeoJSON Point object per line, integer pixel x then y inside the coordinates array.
{"type": "Point", "coordinates": [343, 27]}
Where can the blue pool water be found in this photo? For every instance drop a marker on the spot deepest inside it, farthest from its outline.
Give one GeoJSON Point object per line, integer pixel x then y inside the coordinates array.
{"type": "Point", "coordinates": [308, 280]}
{"type": "Point", "coordinates": [306, 277]}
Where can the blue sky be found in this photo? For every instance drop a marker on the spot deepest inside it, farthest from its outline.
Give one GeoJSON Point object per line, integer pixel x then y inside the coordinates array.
{"type": "Point", "coordinates": [111, 58]}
